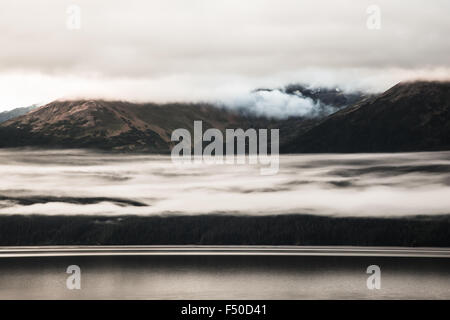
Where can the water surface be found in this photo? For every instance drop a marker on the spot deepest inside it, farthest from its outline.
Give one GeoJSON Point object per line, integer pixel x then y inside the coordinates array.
{"type": "Point", "coordinates": [225, 277]}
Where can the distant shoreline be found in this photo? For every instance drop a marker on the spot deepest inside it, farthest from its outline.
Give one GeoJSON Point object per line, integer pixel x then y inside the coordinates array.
{"type": "Point", "coordinates": [300, 230]}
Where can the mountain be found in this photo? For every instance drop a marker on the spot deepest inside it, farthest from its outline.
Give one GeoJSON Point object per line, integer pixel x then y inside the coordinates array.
{"type": "Point", "coordinates": [326, 96]}
{"type": "Point", "coordinates": [7, 115]}
{"type": "Point", "coordinates": [115, 125]}
{"type": "Point", "coordinates": [411, 116]}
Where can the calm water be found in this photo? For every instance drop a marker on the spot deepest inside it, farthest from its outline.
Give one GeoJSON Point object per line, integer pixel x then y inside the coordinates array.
{"type": "Point", "coordinates": [82, 182]}
{"type": "Point", "coordinates": [224, 277]}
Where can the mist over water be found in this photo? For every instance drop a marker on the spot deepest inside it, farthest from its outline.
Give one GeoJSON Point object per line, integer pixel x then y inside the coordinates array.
{"type": "Point", "coordinates": [71, 182]}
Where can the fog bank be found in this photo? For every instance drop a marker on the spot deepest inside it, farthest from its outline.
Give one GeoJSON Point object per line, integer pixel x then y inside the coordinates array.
{"type": "Point", "coordinates": [80, 182]}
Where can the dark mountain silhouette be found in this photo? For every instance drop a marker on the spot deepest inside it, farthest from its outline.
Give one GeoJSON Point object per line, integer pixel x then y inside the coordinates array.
{"type": "Point", "coordinates": [411, 116]}
{"type": "Point", "coordinates": [331, 97]}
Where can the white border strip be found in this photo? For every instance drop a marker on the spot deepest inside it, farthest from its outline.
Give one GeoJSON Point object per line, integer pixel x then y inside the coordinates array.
{"type": "Point", "coordinates": [57, 251]}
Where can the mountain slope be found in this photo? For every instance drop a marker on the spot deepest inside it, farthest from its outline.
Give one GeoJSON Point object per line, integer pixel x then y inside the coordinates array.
{"type": "Point", "coordinates": [114, 125]}
{"type": "Point", "coordinates": [7, 115]}
{"type": "Point", "coordinates": [412, 116]}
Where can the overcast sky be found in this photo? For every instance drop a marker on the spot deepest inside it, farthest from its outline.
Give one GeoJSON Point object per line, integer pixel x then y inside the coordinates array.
{"type": "Point", "coordinates": [175, 50]}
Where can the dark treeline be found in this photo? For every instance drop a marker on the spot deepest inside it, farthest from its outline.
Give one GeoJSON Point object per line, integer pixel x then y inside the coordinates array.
{"type": "Point", "coordinates": [17, 230]}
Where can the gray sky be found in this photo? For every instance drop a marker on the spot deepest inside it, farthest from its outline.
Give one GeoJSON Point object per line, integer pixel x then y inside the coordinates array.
{"type": "Point", "coordinates": [174, 50]}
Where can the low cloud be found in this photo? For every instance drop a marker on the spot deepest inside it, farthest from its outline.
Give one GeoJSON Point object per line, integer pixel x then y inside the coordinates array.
{"type": "Point", "coordinates": [21, 89]}
{"type": "Point", "coordinates": [278, 104]}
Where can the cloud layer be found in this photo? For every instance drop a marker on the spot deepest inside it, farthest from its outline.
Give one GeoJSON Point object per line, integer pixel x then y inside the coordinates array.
{"type": "Point", "coordinates": [342, 185]}
{"type": "Point", "coordinates": [212, 49]}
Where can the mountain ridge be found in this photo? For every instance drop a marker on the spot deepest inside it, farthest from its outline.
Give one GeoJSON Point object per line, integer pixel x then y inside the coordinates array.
{"type": "Point", "coordinates": [410, 116]}
{"type": "Point", "coordinates": [114, 125]}
{"type": "Point", "coordinates": [14, 113]}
